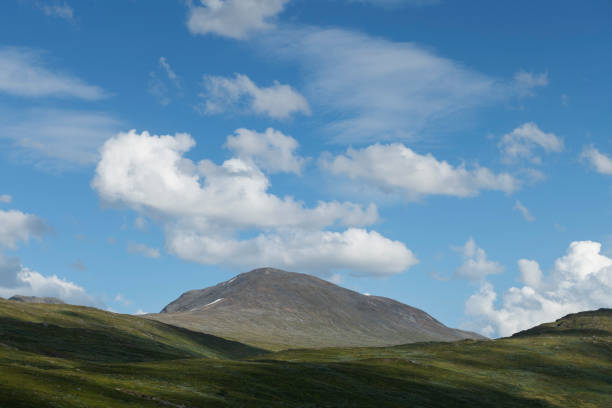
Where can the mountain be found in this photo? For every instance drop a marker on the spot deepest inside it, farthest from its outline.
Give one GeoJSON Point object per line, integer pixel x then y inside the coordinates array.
{"type": "Point", "coordinates": [36, 299]}
{"type": "Point", "coordinates": [274, 309]}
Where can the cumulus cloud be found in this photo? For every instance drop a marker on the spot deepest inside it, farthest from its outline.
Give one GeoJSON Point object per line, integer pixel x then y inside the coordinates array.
{"type": "Point", "coordinates": [233, 18]}
{"type": "Point", "coordinates": [397, 168]}
{"type": "Point", "coordinates": [32, 283]}
{"type": "Point", "coordinates": [23, 73]}
{"type": "Point", "coordinates": [148, 171]}
{"type": "Point", "coordinates": [525, 82]}
{"type": "Point", "coordinates": [6, 199]}
{"type": "Point", "coordinates": [476, 266]}
{"type": "Point", "coordinates": [142, 249]}
{"type": "Point", "coordinates": [524, 211]}
{"type": "Point", "coordinates": [580, 280]}
{"type": "Point", "coordinates": [525, 139]}
{"type": "Point", "coordinates": [16, 226]}
{"type": "Point", "coordinates": [272, 150]}
{"type": "Point", "coordinates": [358, 250]}
{"type": "Point", "coordinates": [277, 101]}
{"type": "Point", "coordinates": [206, 208]}
{"type": "Point", "coordinates": [599, 161]}
{"type": "Point", "coordinates": [376, 89]}
{"type": "Point", "coordinates": [57, 137]}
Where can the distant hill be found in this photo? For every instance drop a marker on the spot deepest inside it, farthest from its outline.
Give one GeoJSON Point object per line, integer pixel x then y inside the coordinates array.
{"type": "Point", "coordinates": [36, 299]}
{"type": "Point", "coordinates": [594, 322]}
{"type": "Point", "coordinates": [276, 309]}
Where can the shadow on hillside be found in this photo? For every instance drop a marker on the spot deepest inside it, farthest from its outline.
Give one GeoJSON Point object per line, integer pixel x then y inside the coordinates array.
{"type": "Point", "coordinates": [112, 344]}
{"type": "Point", "coordinates": [539, 331]}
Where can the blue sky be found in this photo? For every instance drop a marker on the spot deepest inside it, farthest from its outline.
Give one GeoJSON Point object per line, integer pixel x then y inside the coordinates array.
{"type": "Point", "coordinates": [456, 157]}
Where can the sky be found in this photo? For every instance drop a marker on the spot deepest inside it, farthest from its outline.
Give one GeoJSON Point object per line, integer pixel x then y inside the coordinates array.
{"type": "Point", "coordinates": [455, 156]}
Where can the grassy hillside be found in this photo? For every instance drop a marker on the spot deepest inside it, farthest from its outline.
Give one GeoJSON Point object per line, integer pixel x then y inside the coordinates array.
{"type": "Point", "coordinates": [594, 322]}
{"type": "Point", "coordinates": [544, 370]}
{"type": "Point", "coordinates": [85, 333]}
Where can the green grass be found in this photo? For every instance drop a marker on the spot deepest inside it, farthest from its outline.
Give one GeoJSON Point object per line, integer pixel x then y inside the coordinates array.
{"type": "Point", "coordinates": [149, 364]}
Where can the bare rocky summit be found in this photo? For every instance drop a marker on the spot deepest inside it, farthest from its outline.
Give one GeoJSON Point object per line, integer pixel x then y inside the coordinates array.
{"type": "Point", "coordinates": [276, 309]}
{"type": "Point", "coordinates": [37, 299]}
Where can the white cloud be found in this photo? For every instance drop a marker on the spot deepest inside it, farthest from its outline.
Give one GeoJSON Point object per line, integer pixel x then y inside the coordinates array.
{"type": "Point", "coordinates": [378, 88]}
{"type": "Point", "coordinates": [142, 249]}
{"type": "Point", "coordinates": [476, 266]}
{"type": "Point", "coordinates": [524, 211]}
{"type": "Point", "coordinates": [599, 161]}
{"type": "Point", "coordinates": [53, 137]}
{"type": "Point", "coordinates": [16, 226]}
{"type": "Point", "coordinates": [272, 150]}
{"type": "Point", "coordinates": [158, 86]}
{"type": "Point", "coordinates": [522, 141]}
{"type": "Point", "coordinates": [565, 100]}
{"type": "Point", "coordinates": [61, 10]}
{"type": "Point", "coordinates": [32, 283]}
{"type": "Point", "coordinates": [396, 168]}
{"type": "Point", "coordinates": [580, 280]}
{"type": "Point", "coordinates": [163, 62]}
{"type": "Point", "coordinates": [530, 271]}
{"type": "Point", "coordinates": [396, 3]}
{"type": "Point", "coordinates": [23, 73]}
{"type": "Point", "coordinates": [150, 172]}
{"type": "Point", "coordinates": [233, 18]}
{"type": "Point", "coordinates": [6, 199]}
{"type": "Point", "coordinates": [120, 298]}
{"type": "Point", "coordinates": [206, 209]}
{"type": "Point", "coordinates": [358, 250]}
{"type": "Point", "coordinates": [140, 312]}
{"type": "Point", "coordinates": [277, 101]}
{"type": "Point", "coordinates": [15, 279]}
{"type": "Point", "coordinates": [525, 82]}
{"type": "Point", "coordinates": [140, 223]}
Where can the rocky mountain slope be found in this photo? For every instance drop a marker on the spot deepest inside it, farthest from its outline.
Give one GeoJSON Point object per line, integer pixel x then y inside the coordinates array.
{"type": "Point", "coordinates": [275, 309]}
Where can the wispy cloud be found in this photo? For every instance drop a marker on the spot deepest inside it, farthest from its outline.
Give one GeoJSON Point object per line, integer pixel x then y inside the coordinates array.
{"type": "Point", "coordinates": [380, 89]}
{"type": "Point", "coordinates": [56, 9]}
{"type": "Point", "coordinates": [526, 82]}
{"type": "Point", "coordinates": [142, 249]}
{"type": "Point", "coordinates": [164, 83]}
{"type": "Point", "coordinates": [23, 73]}
{"type": "Point", "coordinates": [56, 138]}
{"type": "Point", "coordinates": [524, 211]}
